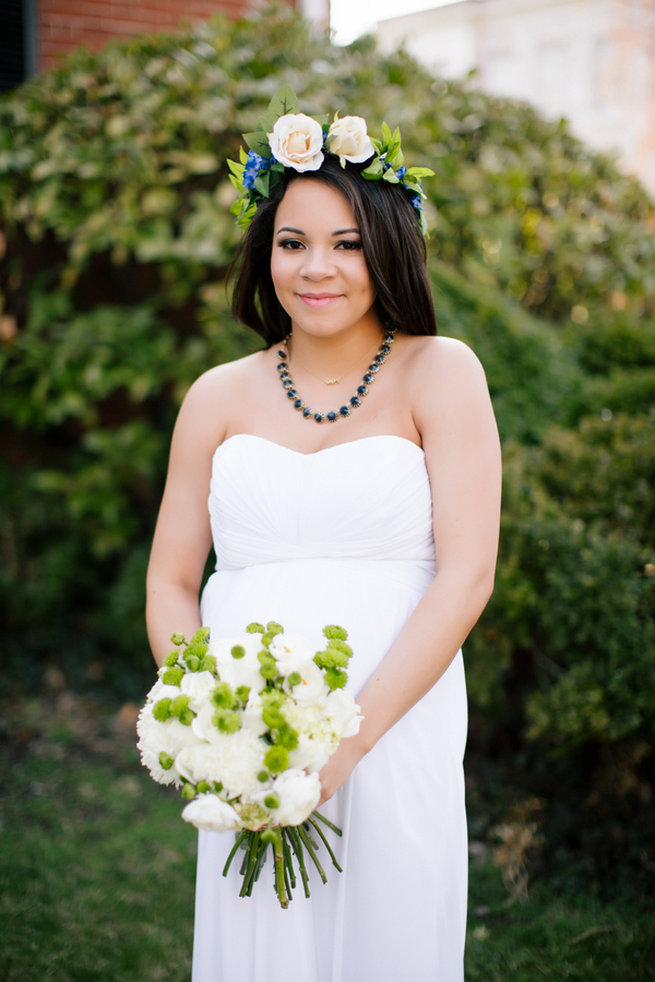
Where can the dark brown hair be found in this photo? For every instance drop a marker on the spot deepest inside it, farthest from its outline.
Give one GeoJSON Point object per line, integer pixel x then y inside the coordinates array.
{"type": "Point", "coordinates": [392, 243]}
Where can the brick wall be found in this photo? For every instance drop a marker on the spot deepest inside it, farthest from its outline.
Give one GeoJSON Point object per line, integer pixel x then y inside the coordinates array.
{"type": "Point", "coordinates": [63, 25]}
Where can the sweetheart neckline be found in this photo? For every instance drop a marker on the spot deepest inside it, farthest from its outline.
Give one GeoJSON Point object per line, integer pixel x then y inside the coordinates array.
{"type": "Point", "coordinates": [316, 453]}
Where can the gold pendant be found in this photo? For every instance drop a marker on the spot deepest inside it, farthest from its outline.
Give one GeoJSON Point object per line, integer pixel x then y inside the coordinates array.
{"type": "Point", "coordinates": [332, 381]}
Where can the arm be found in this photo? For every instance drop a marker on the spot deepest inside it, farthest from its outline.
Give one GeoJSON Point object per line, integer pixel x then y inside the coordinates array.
{"type": "Point", "coordinates": [460, 440]}
{"type": "Point", "coordinates": [182, 536]}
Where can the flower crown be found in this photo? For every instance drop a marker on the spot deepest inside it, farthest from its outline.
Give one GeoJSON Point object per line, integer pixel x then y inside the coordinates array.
{"type": "Point", "coordinates": [288, 138]}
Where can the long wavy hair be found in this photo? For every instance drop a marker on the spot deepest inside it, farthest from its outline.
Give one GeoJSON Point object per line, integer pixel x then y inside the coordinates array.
{"type": "Point", "coordinates": [392, 243]}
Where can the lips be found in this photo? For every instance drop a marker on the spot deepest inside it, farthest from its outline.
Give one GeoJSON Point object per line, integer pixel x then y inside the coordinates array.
{"type": "Point", "coordinates": [319, 299]}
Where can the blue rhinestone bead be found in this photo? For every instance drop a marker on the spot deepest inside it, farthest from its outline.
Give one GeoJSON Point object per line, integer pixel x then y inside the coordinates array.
{"type": "Point", "coordinates": [368, 378]}
{"type": "Point", "coordinates": [292, 394]}
{"type": "Point", "coordinates": [332, 416]}
{"type": "Point", "coordinates": [344, 411]}
{"type": "Point", "coordinates": [319, 417]}
{"type": "Point", "coordinates": [287, 383]}
{"type": "Point", "coordinates": [373, 367]}
{"type": "Point", "coordinates": [281, 354]}
{"type": "Point", "coordinates": [379, 359]}
{"type": "Point", "coordinates": [281, 366]}
{"type": "Point", "coordinates": [385, 349]}
{"type": "Point", "coordinates": [362, 390]}
{"type": "Point", "coordinates": [306, 412]}
{"type": "Point", "coordinates": [298, 404]}
{"type": "Point", "coordinates": [355, 401]}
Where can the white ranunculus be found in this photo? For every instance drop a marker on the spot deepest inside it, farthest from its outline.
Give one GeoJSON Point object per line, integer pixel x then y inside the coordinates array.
{"type": "Point", "coordinates": [344, 712]}
{"type": "Point", "coordinates": [239, 671]}
{"type": "Point", "coordinates": [156, 738]}
{"type": "Point", "coordinates": [291, 652]}
{"type": "Point", "coordinates": [233, 759]}
{"type": "Point", "coordinates": [348, 140]}
{"type": "Point", "coordinates": [297, 141]}
{"type": "Point", "coordinates": [299, 794]}
{"type": "Point", "coordinates": [199, 686]}
{"type": "Point", "coordinates": [209, 812]}
{"type": "Point", "coordinates": [312, 688]}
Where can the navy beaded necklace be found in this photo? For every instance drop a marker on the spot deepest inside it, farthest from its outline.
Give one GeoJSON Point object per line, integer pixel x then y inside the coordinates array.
{"type": "Point", "coordinates": [355, 400]}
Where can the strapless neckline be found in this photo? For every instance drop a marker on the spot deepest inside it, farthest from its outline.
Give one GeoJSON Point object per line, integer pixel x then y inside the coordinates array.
{"type": "Point", "coordinates": [323, 450]}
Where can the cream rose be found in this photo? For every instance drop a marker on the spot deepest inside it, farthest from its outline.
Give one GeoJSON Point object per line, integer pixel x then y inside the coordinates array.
{"type": "Point", "coordinates": [348, 140]}
{"type": "Point", "coordinates": [297, 141]}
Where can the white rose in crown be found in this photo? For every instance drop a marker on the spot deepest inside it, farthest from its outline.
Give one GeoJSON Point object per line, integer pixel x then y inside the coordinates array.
{"type": "Point", "coordinates": [297, 141]}
{"type": "Point", "coordinates": [348, 140]}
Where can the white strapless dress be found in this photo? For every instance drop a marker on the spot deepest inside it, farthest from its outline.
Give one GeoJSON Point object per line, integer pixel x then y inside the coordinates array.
{"type": "Point", "coordinates": [342, 536]}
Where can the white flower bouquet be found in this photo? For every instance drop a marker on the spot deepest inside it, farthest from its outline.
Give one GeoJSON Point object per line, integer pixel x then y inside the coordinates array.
{"type": "Point", "coordinates": [243, 725]}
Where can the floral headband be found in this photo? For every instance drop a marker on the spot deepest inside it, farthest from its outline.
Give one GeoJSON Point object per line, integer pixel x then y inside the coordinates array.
{"type": "Point", "coordinates": [301, 142]}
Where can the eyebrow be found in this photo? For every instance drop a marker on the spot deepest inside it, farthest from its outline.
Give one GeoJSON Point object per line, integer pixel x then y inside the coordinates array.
{"type": "Point", "coordinates": [298, 231]}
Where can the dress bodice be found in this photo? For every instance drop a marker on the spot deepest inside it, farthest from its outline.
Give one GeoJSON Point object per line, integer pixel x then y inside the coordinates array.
{"type": "Point", "coordinates": [365, 499]}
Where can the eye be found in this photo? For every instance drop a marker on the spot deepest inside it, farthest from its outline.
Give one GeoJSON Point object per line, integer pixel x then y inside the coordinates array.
{"type": "Point", "coordinates": [292, 244]}
{"type": "Point", "coordinates": [350, 245]}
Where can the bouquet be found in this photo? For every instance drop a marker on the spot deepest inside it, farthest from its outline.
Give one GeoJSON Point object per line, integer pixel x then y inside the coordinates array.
{"type": "Point", "coordinates": [243, 725]}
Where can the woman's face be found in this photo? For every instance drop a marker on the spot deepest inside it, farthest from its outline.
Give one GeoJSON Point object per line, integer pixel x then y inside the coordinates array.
{"type": "Point", "coordinates": [317, 263]}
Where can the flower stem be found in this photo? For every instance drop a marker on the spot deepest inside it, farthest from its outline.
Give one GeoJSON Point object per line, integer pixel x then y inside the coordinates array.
{"type": "Point", "coordinates": [310, 846]}
{"type": "Point", "coordinates": [237, 842]}
{"type": "Point", "coordinates": [326, 821]}
{"type": "Point", "coordinates": [296, 844]}
{"type": "Point", "coordinates": [280, 884]}
{"type": "Point", "coordinates": [325, 843]}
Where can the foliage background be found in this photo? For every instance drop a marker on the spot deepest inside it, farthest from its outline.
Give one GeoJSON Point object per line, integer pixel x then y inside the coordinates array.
{"type": "Point", "coordinates": [116, 239]}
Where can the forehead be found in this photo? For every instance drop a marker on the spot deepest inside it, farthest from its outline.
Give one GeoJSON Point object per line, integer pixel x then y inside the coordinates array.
{"type": "Point", "coordinates": [307, 199]}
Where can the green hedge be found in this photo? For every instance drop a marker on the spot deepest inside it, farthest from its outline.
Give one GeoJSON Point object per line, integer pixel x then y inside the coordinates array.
{"type": "Point", "coordinates": [116, 236]}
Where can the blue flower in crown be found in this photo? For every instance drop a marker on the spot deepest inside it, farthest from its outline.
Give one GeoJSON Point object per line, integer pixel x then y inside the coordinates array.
{"type": "Point", "coordinates": [254, 166]}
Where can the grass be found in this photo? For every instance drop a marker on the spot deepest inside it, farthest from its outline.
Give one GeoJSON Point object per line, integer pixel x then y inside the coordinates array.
{"type": "Point", "coordinates": [97, 873]}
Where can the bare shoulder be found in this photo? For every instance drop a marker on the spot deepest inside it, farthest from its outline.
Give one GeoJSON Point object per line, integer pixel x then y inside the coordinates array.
{"type": "Point", "coordinates": [443, 356]}
{"type": "Point", "coordinates": [442, 366]}
{"type": "Point", "coordinates": [210, 400]}
{"type": "Point", "coordinates": [448, 384]}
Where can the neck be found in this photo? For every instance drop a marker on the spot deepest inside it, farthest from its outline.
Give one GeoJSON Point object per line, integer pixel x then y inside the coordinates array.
{"type": "Point", "coordinates": [335, 355]}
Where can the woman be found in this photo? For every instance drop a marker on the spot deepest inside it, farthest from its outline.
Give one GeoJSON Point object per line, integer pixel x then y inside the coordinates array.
{"type": "Point", "coordinates": [353, 475]}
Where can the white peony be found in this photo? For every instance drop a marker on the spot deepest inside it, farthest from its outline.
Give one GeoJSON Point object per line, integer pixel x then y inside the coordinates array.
{"type": "Point", "coordinates": [199, 686]}
{"type": "Point", "coordinates": [344, 712]}
{"type": "Point", "coordinates": [309, 754]}
{"type": "Point", "coordinates": [299, 794]}
{"type": "Point", "coordinates": [233, 759]}
{"type": "Point", "coordinates": [239, 671]}
{"type": "Point", "coordinates": [157, 738]}
{"type": "Point", "coordinates": [291, 652]}
{"type": "Point", "coordinates": [211, 813]}
{"type": "Point", "coordinates": [162, 691]}
{"type": "Point", "coordinates": [251, 718]}
{"type": "Point", "coordinates": [348, 140]}
{"type": "Point", "coordinates": [297, 141]}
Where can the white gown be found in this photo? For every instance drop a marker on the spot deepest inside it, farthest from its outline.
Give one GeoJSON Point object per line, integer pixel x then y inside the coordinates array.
{"type": "Point", "coordinates": [342, 536]}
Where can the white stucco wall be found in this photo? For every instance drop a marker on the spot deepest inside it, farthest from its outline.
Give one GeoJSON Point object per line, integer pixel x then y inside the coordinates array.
{"type": "Point", "coordinates": [592, 61]}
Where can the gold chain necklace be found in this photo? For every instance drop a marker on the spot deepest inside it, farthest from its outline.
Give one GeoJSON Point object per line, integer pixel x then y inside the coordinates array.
{"type": "Point", "coordinates": [355, 400]}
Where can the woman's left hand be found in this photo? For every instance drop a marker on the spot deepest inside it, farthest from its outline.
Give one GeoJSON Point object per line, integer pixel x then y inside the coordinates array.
{"type": "Point", "coordinates": [339, 767]}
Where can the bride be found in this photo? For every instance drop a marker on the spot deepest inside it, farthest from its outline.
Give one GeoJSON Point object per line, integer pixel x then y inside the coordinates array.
{"type": "Point", "coordinates": [347, 473]}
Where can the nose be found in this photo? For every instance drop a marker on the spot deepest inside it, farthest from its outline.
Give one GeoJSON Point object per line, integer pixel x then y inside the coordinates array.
{"type": "Point", "coordinates": [317, 264]}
